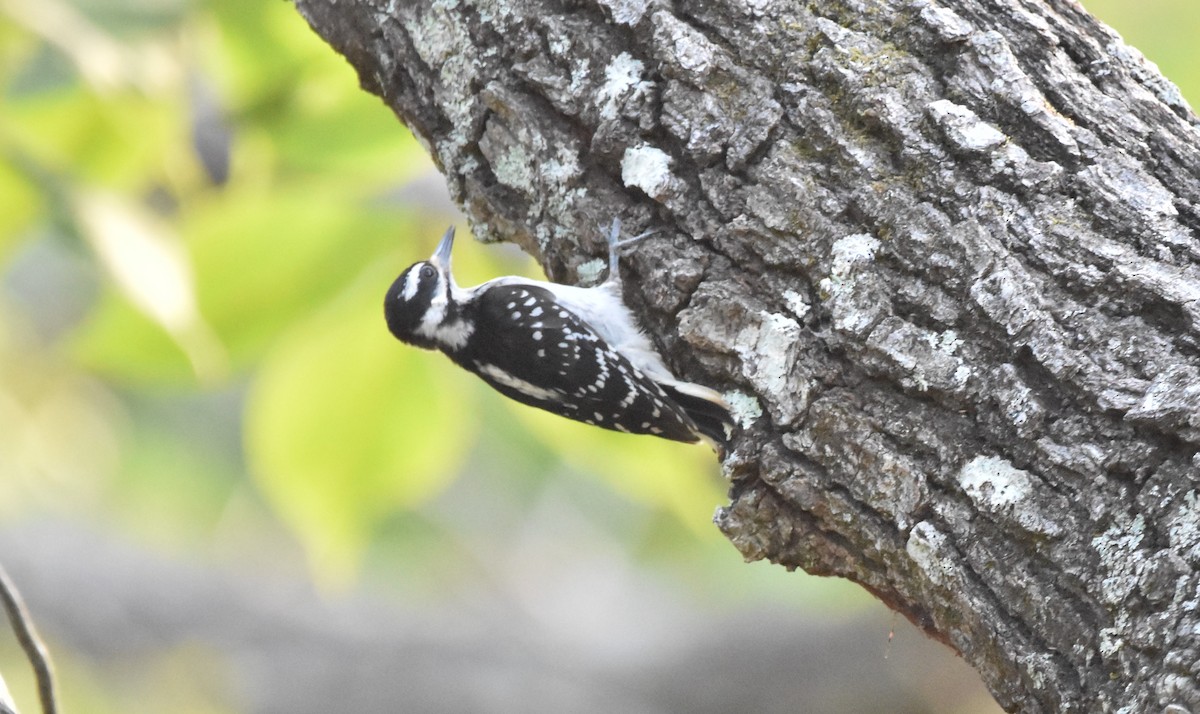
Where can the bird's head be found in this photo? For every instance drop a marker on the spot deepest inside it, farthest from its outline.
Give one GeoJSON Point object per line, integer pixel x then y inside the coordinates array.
{"type": "Point", "coordinates": [419, 301]}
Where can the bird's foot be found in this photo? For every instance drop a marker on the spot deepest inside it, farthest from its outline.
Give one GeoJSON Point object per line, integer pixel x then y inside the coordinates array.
{"type": "Point", "coordinates": [616, 243]}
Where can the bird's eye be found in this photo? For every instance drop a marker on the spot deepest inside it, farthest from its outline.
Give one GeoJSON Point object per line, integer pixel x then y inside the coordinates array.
{"type": "Point", "coordinates": [427, 271]}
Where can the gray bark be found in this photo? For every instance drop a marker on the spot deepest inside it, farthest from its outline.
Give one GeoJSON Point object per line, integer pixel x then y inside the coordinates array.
{"type": "Point", "coordinates": [942, 257]}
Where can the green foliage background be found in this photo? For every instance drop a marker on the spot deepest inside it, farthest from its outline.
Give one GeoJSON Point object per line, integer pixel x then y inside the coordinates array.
{"type": "Point", "coordinates": [203, 366]}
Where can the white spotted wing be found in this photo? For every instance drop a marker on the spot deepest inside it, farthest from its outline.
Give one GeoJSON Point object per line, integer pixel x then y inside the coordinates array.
{"type": "Point", "coordinates": [537, 352]}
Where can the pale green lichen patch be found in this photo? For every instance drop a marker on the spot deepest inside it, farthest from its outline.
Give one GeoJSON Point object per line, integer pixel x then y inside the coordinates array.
{"type": "Point", "coordinates": [1005, 492]}
{"type": "Point", "coordinates": [589, 273]}
{"type": "Point", "coordinates": [513, 166]}
{"type": "Point", "coordinates": [853, 250]}
{"type": "Point", "coordinates": [626, 12]}
{"type": "Point", "coordinates": [994, 484]}
{"type": "Point", "coordinates": [744, 407]}
{"type": "Point", "coordinates": [441, 40]}
{"type": "Point", "coordinates": [1183, 529]}
{"type": "Point", "coordinates": [767, 351]}
{"type": "Point", "coordinates": [948, 342]}
{"type": "Point", "coordinates": [563, 168]}
{"type": "Point", "coordinates": [492, 12]}
{"type": "Point", "coordinates": [930, 549]}
{"type": "Point", "coordinates": [622, 78]}
{"type": "Point", "coordinates": [648, 168]}
{"type": "Point", "coordinates": [854, 308]}
{"type": "Point", "coordinates": [581, 76]}
{"type": "Point", "coordinates": [1111, 642]}
{"type": "Point", "coordinates": [1119, 549]}
{"type": "Point", "coordinates": [919, 358]}
{"type": "Point", "coordinates": [796, 303]}
{"type": "Point", "coordinates": [1123, 562]}
{"type": "Point", "coordinates": [848, 253]}
{"type": "Point", "coordinates": [776, 336]}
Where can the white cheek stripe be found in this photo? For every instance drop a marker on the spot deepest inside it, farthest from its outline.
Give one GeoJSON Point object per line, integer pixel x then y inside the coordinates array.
{"type": "Point", "coordinates": [411, 282]}
{"type": "Point", "coordinates": [519, 384]}
{"type": "Point", "coordinates": [433, 323]}
{"type": "Point", "coordinates": [432, 319]}
{"type": "Point", "coordinates": [436, 312]}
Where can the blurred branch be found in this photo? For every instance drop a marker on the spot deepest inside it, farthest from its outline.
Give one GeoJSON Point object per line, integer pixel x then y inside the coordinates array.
{"type": "Point", "coordinates": [7, 706]}
{"type": "Point", "coordinates": [35, 649]}
{"type": "Point", "coordinates": [106, 63]}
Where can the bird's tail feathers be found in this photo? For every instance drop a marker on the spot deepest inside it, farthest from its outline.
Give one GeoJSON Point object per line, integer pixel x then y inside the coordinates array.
{"type": "Point", "coordinates": [707, 410]}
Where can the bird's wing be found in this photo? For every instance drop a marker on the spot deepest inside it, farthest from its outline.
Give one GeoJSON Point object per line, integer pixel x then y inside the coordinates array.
{"type": "Point", "coordinates": [534, 350]}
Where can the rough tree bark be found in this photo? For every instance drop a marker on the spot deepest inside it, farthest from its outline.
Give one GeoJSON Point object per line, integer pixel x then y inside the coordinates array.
{"type": "Point", "coordinates": [942, 256]}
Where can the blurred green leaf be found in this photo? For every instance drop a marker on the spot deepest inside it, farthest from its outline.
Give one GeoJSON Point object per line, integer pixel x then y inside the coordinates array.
{"type": "Point", "coordinates": [265, 259]}
{"type": "Point", "coordinates": [345, 426]}
{"type": "Point", "coordinates": [121, 343]}
{"type": "Point", "coordinates": [174, 486]}
{"type": "Point", "coordinates": [22, 204]}
{"type": "Point", "coordinates": [680, 479]}
{"type": "Point", "coordinates": [147, 262]}
{"type": "Point", "coordinates": [127, 20]}
{"type": "Point", "coordinates": [58, 428]}
{"type": "Point", "coordinates": [123, 139]}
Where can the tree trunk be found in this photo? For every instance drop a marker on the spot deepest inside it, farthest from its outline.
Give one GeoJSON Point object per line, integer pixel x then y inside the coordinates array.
{"type": "Point", "coordinates": [942, 257]}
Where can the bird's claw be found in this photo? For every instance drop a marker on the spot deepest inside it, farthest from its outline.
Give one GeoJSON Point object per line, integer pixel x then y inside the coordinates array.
{"type": "Point", "coordinates": [616, 243]}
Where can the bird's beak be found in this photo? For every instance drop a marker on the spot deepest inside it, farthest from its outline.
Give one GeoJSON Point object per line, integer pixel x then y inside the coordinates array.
{"type": "Point", "coordinates": [441, 256]}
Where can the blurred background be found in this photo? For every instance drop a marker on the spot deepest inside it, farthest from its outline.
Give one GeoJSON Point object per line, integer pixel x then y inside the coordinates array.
{"type": "Point", "coordinates": [225, 488]}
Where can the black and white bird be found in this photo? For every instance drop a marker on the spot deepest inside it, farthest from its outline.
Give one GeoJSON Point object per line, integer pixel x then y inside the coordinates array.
{"type": "Point", "coordinates": [573, 351]}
